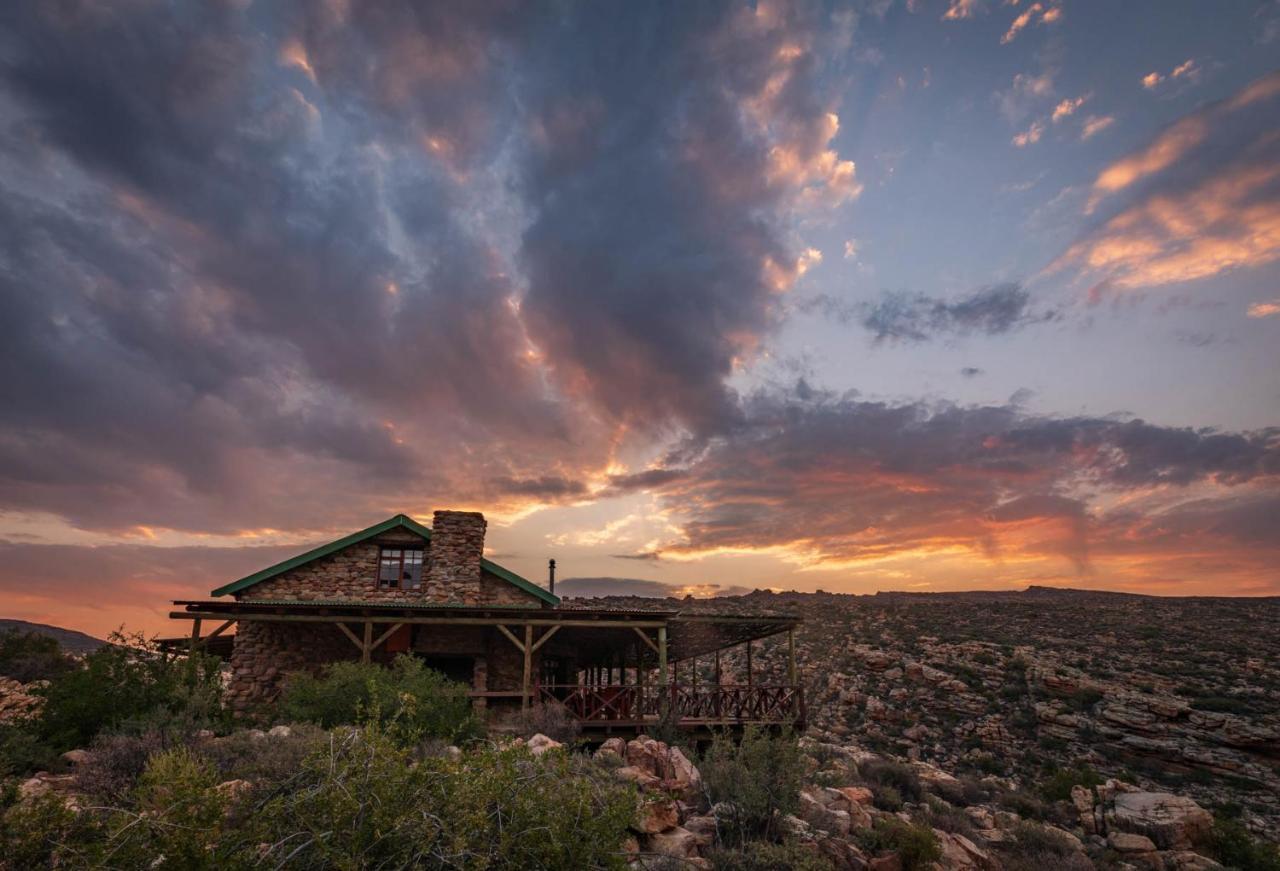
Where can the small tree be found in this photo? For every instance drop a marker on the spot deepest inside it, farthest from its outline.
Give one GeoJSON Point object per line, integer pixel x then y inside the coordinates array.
{"type": "Point", "coordinates": [131, 684]}
{"type": "Point", "coordinates": [759, 777]}
{"type": "Point", "coordinates": [30, 656]}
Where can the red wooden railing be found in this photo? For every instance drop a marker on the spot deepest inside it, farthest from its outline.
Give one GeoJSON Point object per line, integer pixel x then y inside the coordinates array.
{"type": "Point", "coordinates": [727, 704]}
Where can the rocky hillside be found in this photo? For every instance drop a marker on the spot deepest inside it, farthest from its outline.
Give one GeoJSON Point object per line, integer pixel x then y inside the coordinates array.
{"type": "Point", "coordinates": [1163, 693]}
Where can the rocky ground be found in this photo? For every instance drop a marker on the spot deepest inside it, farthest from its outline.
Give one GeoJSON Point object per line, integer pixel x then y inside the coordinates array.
{"type": "Point", "coordinates": [1166, 694]}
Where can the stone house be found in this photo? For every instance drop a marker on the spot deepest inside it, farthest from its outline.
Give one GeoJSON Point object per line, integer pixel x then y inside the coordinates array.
{"type": "Point", "coordinates": [399, 587]}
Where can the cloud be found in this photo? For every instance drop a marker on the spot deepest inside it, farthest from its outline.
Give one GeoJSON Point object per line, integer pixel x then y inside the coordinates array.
{"type": "Point", "coordinates": [1067, 108]}
{"type": "Point", "coordinates": [1027, 16]}
{"type": "Point", "coordinates": [842, 482]}
{"type": "Point", "coordinates": [591, 587]}
{"type": "Point", "coordinates": [1095, 124]}
{"type": "Point", "coordinates": [1188, 70]}
{"type": "Point", "coordinates": [1030, 136]}
{"type": "Point", "coordinates": [958, 10]}
{"type": "Point", "coordinates": [971, 371]}
{"type": "Point", "coordinates": [411, 254]}
{"type": "Point", "coordinates": [1201, 199]}
{"type": "Point", "coordinates": [1024, 93]}
{"type": "Point", "coordinates": [1264, 309]}
{"type": "Point", "coordinates": [991, 310]}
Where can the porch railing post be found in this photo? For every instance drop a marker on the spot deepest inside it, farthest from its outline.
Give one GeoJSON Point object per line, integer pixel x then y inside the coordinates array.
{"type": "Point", "coordinates": [528, 665]}
{"type": "Point", "coordinates": [791, 657]}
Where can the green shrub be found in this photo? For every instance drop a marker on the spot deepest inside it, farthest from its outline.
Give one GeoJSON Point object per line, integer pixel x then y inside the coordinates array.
{"type": "Point", "coordinates": [44, 833]}
{"type": "Point", "coordinates": [1036, 847]}
{"type": "Point", "coordinates": [760, 776]}
{"type": "Point", "coordinates": [176, 821]}
{"type": "Point", "coordinates": [30, 656]}
{"type": "Point", "coordinates": [764, 856]}
{"type": "Point", "coordinates": [1057, 787]}
{"type": "Point", "coordinates": [1232, 845]}
{"type": "Point", "coordinates": [363, 800]}
{"type": "Point", "coordinates": [916, 845]}
{"type": "Point", "coordinates": [266, 761]}
{"type": "Point", "coordinates": [23, 751]}
{"type": "Point", "coordinates": [131, 685]}
{"type": "Point", "coordinates": [948, 818]}
{"type": "Point", "coordinates": [421, 703]}
{"type": "Point", "coordinates": [892, 783]}
{"type": "Point", "coordinates": [116, 762]}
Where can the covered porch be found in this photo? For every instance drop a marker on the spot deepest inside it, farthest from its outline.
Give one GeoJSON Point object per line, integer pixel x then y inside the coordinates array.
{"type": "Point", "coordinates": [615, 670]}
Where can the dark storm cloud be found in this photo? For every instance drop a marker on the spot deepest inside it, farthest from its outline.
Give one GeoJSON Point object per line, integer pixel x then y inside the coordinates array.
{"type": "Point", "coordinates": [842, 479]}
{"type": "Point", "coordinates": [244, 263]}
{"type": "Point", "coordinates": [991, 310]}
{"type": "Point", "coordinates": [658, 224]}
{"type": "Point", "coordinates": [550, 487]}
{"type": "Point", "coordinates": [971, 371]}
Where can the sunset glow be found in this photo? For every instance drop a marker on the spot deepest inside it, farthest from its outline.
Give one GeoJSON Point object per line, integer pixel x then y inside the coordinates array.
{"type": "Point", "coordinates": [939, 294]}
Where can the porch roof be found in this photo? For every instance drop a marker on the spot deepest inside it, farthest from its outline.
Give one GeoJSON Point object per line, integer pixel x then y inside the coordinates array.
{"type": "Point", "coordinates": [690, 631]}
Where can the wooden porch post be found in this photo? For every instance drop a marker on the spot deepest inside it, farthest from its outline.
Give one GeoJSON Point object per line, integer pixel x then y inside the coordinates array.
{"type": "Point", "coordinates": [791, 657]}
{"type": "Point", "coordinates": [367, 650]}
{"type": "Point", "coordinates": [662, 656]}
{"type": "Point", "coordinates": [528, 665]}
{"type": "Point", "coordinates": [719, 683]}
{"type": "Point", "coordinates": [695, 673]}
{"type": "Point", "coordinates": [748, 663]}
{"type": "Point", "coordinates": [195, 633]}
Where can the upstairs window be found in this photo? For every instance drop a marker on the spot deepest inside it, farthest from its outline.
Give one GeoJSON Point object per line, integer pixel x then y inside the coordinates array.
{"type": "Point", "coordinates": [400, 568]}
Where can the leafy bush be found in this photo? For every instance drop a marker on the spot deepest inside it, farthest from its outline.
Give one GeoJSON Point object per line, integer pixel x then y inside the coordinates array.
{"type": "Point", "coordinates": [892, 783]}
{"type": "Point", "coordinates": [265, 761]}
{"type": "Point", "coordinates": [44, 833]}
{"type": "Point", "coordinates": [1036, 847]}
{"type": "Point", "coordinates": [764, 856]}
{"type": "Point", "coordinates": [760, 776]}
{"type": "Point", "coordinates": [131, 685]}
{"type": "Point", "coordinates": [178, 819]}
{"type": "Point", "coordinates": [948, 818]}
{"type": "Point", "coordinates": [363, 800]}
{"type": "Point", "coordinates": [1057, 787]}
{"type": "Point", "coordinates": [116, 762]}
{"type": "Point", "coordinates": [30, 656]}
{"type": "Point", "coordinates": [916, 845]}
{"type": "Point", "coordinates": [22, 750]}
{"type": "Point", "coordinates": [1232, 845]}
{"type": "Point", "coordinates": [421, 703]}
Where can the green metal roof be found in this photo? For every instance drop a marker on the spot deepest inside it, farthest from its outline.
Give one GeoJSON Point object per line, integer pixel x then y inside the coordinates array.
{"type": "Point", "coordinates": [399, 521]}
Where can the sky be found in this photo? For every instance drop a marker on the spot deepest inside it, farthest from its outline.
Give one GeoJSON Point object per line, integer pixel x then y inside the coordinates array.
{"type": "Point", "coordinates": [695, 298]}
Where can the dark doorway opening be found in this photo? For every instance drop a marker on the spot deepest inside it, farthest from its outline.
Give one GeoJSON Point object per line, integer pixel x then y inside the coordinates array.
{"type": "Point", "coordinates": [456, 668]}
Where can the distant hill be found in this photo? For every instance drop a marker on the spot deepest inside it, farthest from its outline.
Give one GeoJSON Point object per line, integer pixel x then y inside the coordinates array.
{"type": "Point", "coordinates": [71, 641]}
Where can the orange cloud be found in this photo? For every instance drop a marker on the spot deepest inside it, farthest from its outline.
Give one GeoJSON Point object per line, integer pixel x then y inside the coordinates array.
{"type": "Point", "coordinates": [1264, 309]}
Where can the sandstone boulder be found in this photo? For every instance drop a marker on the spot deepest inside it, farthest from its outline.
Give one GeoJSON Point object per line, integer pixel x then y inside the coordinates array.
{"type": "Point", "coordinates": [657, 815]}
{"type": "Point", "coordinates": [540, 744]}
{"type": "Point", "coordinates": [1173, 822]}
{"type": "Point", "coordinates": [677, 842]}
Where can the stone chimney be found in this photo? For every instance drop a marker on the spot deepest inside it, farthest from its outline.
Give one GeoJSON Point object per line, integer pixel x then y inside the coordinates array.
{"type": "Point", "coordinates": [457, 544]}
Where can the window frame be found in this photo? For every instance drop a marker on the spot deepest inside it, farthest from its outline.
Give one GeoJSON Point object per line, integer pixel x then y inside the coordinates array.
{"type": "Point", "coordinates": [400, 581]}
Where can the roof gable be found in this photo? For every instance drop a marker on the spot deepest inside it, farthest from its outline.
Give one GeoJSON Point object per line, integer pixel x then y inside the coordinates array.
{"type": "Point", "coordinates": [399, 521]}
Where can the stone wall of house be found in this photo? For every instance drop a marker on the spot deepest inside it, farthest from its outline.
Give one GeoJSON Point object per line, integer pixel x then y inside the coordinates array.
{"type": "Point", "coordinates": [352, 573]}
{"type": "Point", "coordinates": [264, 654]}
